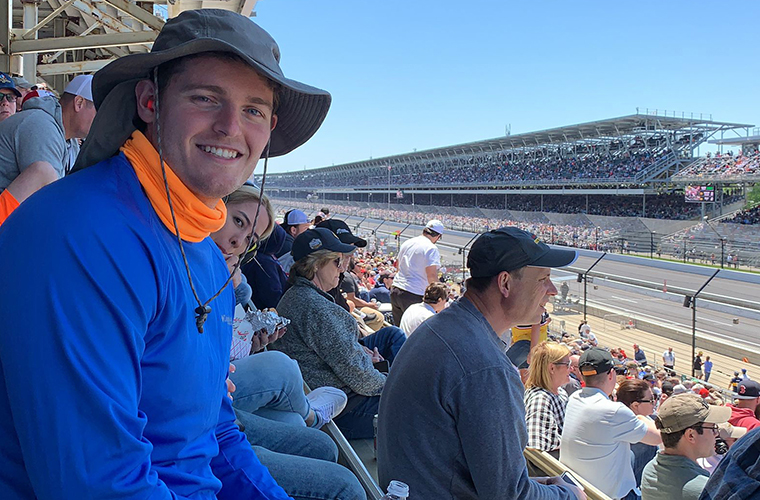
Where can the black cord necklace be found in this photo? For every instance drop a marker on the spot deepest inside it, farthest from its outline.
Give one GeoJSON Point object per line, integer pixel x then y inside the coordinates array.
{"type": "Point", "coordinates": [204, 309]}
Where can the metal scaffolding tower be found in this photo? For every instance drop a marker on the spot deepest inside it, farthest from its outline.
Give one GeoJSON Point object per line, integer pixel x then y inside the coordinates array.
{"type": "Point", "coordinates": [50, 41]}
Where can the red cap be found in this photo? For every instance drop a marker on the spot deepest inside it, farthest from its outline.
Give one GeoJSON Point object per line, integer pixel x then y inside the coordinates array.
{"type": "Point", "coordinates": [37, 93]}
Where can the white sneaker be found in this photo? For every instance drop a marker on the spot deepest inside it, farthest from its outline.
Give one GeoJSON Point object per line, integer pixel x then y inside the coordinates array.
{"type": "Point", "coordinates": [327, 403]}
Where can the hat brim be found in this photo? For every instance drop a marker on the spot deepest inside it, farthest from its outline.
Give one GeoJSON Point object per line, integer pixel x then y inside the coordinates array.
{"type": "Point", "coordinates": [718, 415]}
{"type": "Point", "coordinates": [728, 431]}
{"type": "Point", "coordinates": [736, 396]}
{"type": "Point", "coordinates": [301, 110]}
{"type": "Point", "coordinates": [555, 257]}
{"type": "Point", "coordinates": [353, 240]}
{"type": "Point", "coordinates": [14, 90]}
{"type": "Point", "coordinates": [343, 248]}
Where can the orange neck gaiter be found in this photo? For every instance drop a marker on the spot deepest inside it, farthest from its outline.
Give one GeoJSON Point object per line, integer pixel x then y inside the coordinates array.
{"type": "Point", "coordinates": [194, 219]}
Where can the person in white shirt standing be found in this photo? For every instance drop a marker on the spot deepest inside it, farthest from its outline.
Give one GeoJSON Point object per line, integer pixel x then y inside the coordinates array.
{"type": "Point", "coordinates": [417, 263]}
{"type": "Point", "coordinates": [669, 361]}
{"type": "Point", "coordinates": [433, 302]}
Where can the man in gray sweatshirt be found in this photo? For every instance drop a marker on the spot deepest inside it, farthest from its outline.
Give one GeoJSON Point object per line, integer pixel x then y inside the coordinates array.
{"type": "Point", "coordinates": [33, 142]}
{"type": "Point", "coordinates": [452, 418]}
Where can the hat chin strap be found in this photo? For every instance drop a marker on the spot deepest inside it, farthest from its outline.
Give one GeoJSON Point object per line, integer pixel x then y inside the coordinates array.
{"type": "Point", "coordinates": [203, 309]}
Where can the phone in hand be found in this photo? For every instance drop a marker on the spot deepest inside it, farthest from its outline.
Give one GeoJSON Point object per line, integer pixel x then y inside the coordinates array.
{"type": "Point", "coordinates": [568, 477]}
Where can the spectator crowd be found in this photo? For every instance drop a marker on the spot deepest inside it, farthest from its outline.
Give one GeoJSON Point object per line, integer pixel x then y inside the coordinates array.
{"type": "Point", "coordinates": [722, 166]}
{"type": "Point", "coordinates": [154, 365]}
{"type": "Point", "coordinates": [487, 169]}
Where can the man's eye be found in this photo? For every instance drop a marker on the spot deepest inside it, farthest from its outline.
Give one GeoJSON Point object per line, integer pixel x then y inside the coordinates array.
{"type": "Point", "coordinates": [201, 99]}
{"type": "Point", "coordinates": [238, 221]}
{"type": "Point", "coordinates": [253, 112]}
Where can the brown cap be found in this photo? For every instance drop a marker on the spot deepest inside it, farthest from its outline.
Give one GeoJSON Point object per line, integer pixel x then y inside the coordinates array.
{"type": "Point", "coordinates": [686, 410]}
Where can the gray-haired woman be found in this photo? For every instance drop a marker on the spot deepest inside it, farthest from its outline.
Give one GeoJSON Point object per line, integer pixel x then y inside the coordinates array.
{"type": "Point", "coordinates": [324, 338]}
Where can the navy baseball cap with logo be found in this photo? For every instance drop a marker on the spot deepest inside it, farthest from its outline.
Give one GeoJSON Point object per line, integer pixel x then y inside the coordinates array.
{"type": "Point", "coordinates": [315, 239]}
{"type": "Point", "coordinates": [595, 361]}
{"type": "Point", "coordinates": [748, 389]}
{"type": "Point", "coordinates": [510, 248]}
{"type": "Point", "coordinates": [343, 233]}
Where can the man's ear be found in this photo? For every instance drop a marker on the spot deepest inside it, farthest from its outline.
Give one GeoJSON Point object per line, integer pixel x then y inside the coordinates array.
{"type": "Point", "coordinates": [273, 122]}
{"type": "Point", "coordinates": [79, 103]}
{"type": "Point", "coordinates": [504, 281]}
{"type": "Point", "coordinates": [145, 94]}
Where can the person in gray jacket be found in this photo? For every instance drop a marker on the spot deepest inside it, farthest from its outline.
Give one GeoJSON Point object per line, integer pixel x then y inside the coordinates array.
{"type": "Point", "coordinates": [452, 419]}
{"type": "Point", "coordinates": [324, 338]}
{"type": "Point", "coordinates": [33, 143]}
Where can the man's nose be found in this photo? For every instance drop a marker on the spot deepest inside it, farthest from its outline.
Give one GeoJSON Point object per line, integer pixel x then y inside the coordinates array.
{"type": "Point", "coordinates": [227, 121]}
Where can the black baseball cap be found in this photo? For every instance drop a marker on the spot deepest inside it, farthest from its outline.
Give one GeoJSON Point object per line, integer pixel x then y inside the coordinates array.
{"type": "Point", "coordinates": [315, 239]}
{"type": "Point", "coordinates": [748, 389]}
{"type": "Point", "coordinates": [595, 361]}
{"type": "Point", "coordinates": [510, 248]}
{"type": "Point", "coordinates": [344, 234]}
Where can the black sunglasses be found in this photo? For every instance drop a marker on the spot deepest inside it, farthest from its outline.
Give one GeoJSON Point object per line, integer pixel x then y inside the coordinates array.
{"type": "Point", "coordinates": [7, 97]}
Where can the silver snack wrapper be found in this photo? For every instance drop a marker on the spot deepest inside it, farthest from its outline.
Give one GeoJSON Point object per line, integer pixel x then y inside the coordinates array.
{"type": "Point", "coordinates": [268, 321]}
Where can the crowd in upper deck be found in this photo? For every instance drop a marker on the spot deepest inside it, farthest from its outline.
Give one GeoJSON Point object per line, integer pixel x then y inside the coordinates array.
{"type": "Point", "coordinates": [488, 169]}
{"type": "Point", "coordinates": [723, 165]}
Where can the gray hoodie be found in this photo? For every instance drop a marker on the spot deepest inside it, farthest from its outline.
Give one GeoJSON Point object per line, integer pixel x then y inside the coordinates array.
{"type": "Point", "coordinates": [31, 135]}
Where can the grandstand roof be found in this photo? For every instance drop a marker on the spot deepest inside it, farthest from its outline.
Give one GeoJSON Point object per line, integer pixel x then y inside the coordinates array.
{"type": "Point", "coordinates": [737, 141]}
{"type": "Point", "coordinates": [590, 132]}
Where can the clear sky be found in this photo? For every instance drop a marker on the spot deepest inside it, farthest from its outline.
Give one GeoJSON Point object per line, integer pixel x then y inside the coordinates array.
{"type": "Point", "coordinates": [419, 74]}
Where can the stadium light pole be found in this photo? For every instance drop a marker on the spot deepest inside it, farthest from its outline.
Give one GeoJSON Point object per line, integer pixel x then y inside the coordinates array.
{"type": "Point", "coordinates": [722, 241]}
{"type": "Point", "coordinates": [651, 244]}
{"type": "Point", "coordinates": [584, 277]}
{"type": "Point", "coordinates": [389, 187]}
{"type": "Point", "coordinates": [691, 301]}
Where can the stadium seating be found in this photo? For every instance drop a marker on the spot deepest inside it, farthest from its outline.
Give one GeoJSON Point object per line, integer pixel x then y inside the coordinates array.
{"type": "Point", "coordinates": [722, 167]}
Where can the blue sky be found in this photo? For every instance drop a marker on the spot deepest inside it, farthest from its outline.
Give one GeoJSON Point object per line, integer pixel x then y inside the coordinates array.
{"type": "Point", "coordinates": [420, 74]}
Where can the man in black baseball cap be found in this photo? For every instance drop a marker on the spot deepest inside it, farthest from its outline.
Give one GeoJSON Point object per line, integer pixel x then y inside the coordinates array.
{"type": "Point", "coordinates": [743, 409]}
{"type": "Point", "coordinates": [510, 248]}
{"type": "Point", "coordinates": [454, 361]}
{"type": "Point", "coordinates": [342, 231]}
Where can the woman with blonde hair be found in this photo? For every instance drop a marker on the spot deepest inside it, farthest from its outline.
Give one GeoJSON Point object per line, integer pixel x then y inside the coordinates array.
{"type": "Point", "coordinates": [545, 402]}
{"type": "Point", "coordinates": [245, 207]}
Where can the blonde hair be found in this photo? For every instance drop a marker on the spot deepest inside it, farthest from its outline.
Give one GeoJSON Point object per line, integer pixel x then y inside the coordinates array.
{"type": "Point", "coordinates": [246, 193]}
{"type": "Point", "coordinates": [306, 267]}
{"type": "Point", "coordinates": [543, 355]}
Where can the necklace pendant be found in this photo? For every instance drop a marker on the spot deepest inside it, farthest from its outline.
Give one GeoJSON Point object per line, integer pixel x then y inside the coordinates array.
{"type": "Point", "coordinates": [202, 313]}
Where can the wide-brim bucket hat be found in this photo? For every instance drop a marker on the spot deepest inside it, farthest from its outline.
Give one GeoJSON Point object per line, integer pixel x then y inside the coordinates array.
{"type": "Point", "coordinates": [300, 112]}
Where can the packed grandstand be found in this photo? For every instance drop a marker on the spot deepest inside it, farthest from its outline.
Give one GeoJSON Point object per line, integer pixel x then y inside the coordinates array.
{"type": "Point", "coordinates": [613, 185]}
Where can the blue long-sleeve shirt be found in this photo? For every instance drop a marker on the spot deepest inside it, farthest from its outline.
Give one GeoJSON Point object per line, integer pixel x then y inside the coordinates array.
{"type": "Point", "coordinates": [107, 390]}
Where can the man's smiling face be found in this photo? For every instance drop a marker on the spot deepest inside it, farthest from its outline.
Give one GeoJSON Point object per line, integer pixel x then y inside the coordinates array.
{"type": "Point", "coordinates": [216, 116]}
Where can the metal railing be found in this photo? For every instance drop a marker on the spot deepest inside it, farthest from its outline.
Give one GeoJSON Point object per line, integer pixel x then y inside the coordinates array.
{"type": "Point", "coordinates": [550, 466]}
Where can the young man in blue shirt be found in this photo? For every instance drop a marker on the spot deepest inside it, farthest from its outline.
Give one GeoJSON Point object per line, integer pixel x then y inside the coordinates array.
{"type": "Point", "coordinates": [116, 306]}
